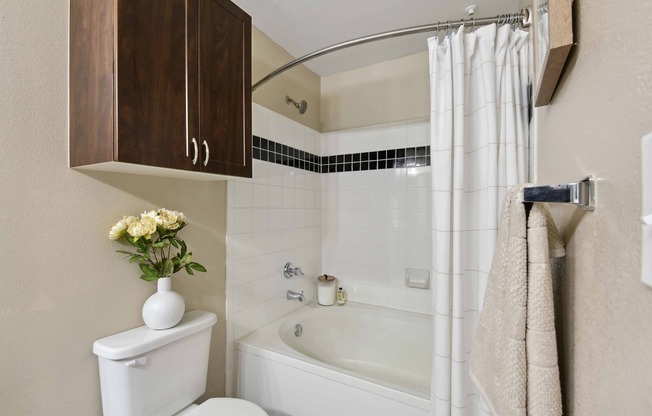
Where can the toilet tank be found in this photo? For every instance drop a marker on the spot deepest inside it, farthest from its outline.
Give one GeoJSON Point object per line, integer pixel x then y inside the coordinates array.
{"type": "Point", "coordinates": [155, 372]}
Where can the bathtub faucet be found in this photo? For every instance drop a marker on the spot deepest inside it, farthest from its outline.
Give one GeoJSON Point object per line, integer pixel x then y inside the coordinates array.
{"type": "Point", "coordinates": [292, 295]}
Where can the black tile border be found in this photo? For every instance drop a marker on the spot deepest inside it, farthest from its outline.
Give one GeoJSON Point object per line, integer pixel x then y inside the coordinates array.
{"type": "Point", "coordinates": [270, 151]}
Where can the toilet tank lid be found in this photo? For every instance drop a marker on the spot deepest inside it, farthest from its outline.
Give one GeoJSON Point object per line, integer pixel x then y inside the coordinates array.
{"type": "Point", "coordinates": [142, 340]}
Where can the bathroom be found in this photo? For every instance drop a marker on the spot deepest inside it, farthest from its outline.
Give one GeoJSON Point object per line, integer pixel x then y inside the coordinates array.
{"type": "Point", "coordinates": [65, 287]}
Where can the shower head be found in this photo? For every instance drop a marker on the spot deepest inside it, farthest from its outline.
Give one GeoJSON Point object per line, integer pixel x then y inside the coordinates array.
{"type": "Point", "coordinates": [302, 106]}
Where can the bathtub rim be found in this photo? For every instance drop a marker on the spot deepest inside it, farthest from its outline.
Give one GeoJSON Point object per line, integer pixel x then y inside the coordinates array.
{"type": "Point", "coordinates": [267, 343]}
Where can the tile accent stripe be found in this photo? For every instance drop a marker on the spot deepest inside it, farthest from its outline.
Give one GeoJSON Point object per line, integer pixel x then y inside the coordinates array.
{"type": "Point", "coordinates": [270, 151]}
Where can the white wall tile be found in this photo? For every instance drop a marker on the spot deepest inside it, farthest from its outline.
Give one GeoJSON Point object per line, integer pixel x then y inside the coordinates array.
{"type": "Point", "coordinates": [418, 133]}
{"type": "Point", "coordinates": [378, 138]}
{"type": "Point", "coordinates": [259, 316]}
{"type": "Point", "coordinates": [275, 124]}
{"type": "Point", "coordinates": [288, 197]}
{"type": "Point", "coordinates": [241, 298]}
{"type": "Point", "coordinates": [378, 179]}
{"type": "Point", "coordinates": [260, 172]}
{"type": "Point", "coordinates": [397, 198]}
{"type": "Point", "coordinates": [240, 221]}
{"type": "Point", "coordinates": [260, 121]}
{"type": "Point", "coordinates": [242, 323]}
{"type": "Point", "coordinates": [418, 177]}
{"type": "Point", "coordinates": [238, 246]}
{"type": "Point", "coordinates": [259, 219]}
{"type": "Point", "coordinates": [418, 218]}
{"type": "Point", "coordinates": [396, 298]}
{"type": "Point", "coordinates": [418, 197]}
{"type": "Point", "coordinates": [397, 135]}
{"type": "Point", "coordinates": [418, 300]}
{"type": "Point", "coordinates": [360, 141]}
{"type": "Point", "coordinates": [378, 295]}
{"type": "Point", "coordinates": [396, 178]}
{"type": "Point", "coordinates": [260, 196]}
{"type": "Point", "coordinates": [259, 243]}
{"type": "Point", "coordinates": [242, 194]}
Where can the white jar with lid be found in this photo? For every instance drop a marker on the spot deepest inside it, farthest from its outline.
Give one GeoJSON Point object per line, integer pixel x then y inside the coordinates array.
{"type": "Point", "coordinates": [326, 290]}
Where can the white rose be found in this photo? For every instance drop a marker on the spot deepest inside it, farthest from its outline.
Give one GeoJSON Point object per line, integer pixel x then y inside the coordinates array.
{"type": "Point", "coordinates": [144, 227]}
{"type": "Point", "coordinates": [168, 219]}
{"type": "Point", "coordinates": [120, 229]}
{"type": "Point", "coordinates": [181, 218]}
{"type": "Point", "coordinates": [151, 214]}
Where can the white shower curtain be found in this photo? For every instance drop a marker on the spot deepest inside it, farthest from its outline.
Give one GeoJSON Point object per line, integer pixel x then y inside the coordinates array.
{"type": "Point", "coordinates": [479, 145]}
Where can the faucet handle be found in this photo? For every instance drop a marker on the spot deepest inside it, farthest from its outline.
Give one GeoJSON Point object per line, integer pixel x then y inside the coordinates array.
{"type": "Point", "coordinates": [289, 270]}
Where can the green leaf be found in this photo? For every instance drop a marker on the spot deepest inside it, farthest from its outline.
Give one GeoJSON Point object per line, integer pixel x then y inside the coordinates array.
{"type": "Point", "coordinates": [177, 264]}
{"type": "Point", "coordinates": [168, 268]}
{"type": "Point", "coordinates": [148, 270]}
{"type": "Point", "coordinates": [174, 242]}
{"type": "Point", "coordinates": [189, 271]}
{"type": "Point", "coordinates": [161, 244]}
{"type": "Point", "coordinates": [148, 277]}
{"type": "Point", "coordinates": [135, 258]}
{"type": "Point", "coordinates": [129, 253]}
{"type": "Point", "coordinates": [197, 266]}
{"type": "Point", "coordinates": [184, 248]}
{"type": "Point", "coordinates": [186, 259]}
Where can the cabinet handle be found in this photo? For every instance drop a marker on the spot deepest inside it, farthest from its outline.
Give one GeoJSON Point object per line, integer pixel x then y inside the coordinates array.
{"type": "Point", "coordinates": [207, 153]}
{"type": "Point", "coordinates": [194, 143]}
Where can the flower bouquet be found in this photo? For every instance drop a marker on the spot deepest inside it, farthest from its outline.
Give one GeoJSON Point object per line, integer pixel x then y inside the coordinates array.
{"type": "Point", "coordinates": [159, 252]}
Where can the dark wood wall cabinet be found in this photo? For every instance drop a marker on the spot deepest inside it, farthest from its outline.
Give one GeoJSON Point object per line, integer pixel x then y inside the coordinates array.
{"type": "Point", "coordinates": [160, 84]}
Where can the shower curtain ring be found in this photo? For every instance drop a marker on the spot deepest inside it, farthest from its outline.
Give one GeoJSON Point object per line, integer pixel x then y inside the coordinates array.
{"type": "Point", "coordinates": [449, 31]}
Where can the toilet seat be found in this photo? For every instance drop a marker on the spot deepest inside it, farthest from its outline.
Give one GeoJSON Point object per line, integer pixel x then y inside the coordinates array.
{"type": "Point", "coordinates": [228, 407]}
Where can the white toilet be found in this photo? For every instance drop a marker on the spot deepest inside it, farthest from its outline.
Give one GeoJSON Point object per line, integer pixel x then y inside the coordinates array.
{"type": "Point", "coordinates": [160, 373]}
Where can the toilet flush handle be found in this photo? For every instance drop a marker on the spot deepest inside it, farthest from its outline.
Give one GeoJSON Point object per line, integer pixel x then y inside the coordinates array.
{"type": "Point", "coordinates": [136, 362]}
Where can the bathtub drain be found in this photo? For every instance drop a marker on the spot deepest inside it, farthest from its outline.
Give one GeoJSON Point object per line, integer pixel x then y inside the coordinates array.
{"type": "Point", "coordinates": [298, 330]}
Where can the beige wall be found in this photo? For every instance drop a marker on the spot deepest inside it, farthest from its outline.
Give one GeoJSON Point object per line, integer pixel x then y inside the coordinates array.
{"type": "Point", "coordinates": [63, 286]}
{"type": "Point", "coordinates": [594, 126]}
{"type": "Point", "coordinates": [391, 91]}
{"type": "Point", "coordinates": [299, 83]}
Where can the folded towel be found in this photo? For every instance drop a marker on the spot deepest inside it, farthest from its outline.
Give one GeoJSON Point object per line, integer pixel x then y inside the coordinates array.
{"type": "Point", "coordinates": [514, 358]}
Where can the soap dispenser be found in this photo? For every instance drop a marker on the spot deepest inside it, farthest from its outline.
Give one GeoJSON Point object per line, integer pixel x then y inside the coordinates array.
{"type": "Point", "coordinates": [341, 297]}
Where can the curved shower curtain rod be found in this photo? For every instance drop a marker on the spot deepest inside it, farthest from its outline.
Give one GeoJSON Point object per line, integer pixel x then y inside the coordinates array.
{"type": "Point", "coordinates": [524, 19]}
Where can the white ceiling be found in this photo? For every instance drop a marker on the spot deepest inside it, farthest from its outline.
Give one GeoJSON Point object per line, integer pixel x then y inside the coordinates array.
{"type": "Point", "coordinates": [303, 26]}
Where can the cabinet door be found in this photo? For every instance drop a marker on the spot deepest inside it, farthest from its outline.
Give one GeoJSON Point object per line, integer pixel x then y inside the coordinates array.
{"type": "Point", "coordinates": [152, 84]}
{"type": "Point", "coordinates": [224, 45]}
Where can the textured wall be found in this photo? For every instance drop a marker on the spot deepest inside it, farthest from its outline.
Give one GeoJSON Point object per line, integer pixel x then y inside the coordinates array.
{"type": "Point", "coordinates": [299, 83]}
{"type": "Point", "coordinates": [593, 126]}
{"type": "Point", "coordinates": [388, 92]}
{"type": "Point", "coordinates": [63, 286]}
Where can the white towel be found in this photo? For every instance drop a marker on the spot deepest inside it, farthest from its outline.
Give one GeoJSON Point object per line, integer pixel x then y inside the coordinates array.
{"type": "Point", "coordinates": [514, 358]}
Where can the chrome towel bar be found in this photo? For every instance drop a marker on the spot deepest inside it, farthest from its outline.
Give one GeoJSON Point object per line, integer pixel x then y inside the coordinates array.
{"type": "Point", "coordinates": [580, 193]}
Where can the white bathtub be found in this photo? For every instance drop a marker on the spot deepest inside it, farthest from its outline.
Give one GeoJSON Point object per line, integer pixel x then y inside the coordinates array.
{"type": "Point", "coordinates": [355, 360]}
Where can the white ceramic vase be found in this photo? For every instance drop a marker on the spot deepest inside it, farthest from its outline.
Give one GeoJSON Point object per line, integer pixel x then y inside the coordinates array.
{"type": "Point", "coordinates": [165, 308]}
